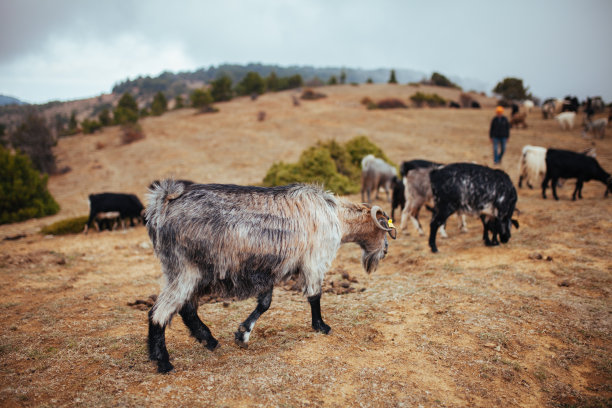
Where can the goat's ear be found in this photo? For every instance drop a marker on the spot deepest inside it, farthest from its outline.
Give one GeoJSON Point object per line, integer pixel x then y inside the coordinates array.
{"type": "Point", "coordinates": [515, 223]}
{"type": "Point", "coordinates": [388, 225]}
{"type": "Point", "coordinates": [517, 211]}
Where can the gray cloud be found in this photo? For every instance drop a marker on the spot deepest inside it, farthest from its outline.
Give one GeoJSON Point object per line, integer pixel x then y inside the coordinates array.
{"type": "Point", "coordinates": [556, 47]}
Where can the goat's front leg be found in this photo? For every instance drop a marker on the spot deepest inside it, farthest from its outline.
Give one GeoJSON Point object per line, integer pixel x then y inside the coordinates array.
{"type": "Point", "coordinates": [241, 336]}
{"type": "Point", "coordinates": [317, 321]}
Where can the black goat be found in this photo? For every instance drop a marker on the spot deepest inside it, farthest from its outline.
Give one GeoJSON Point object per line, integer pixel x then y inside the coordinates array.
{"type": "Point", "coordinates": [398, 198]}
{"type": "Point", "coordinates": [567, 164]}
{"type": "Point", "coordinates": [127, 205]}
{"type": "Point", "coordinates": [473, 189]}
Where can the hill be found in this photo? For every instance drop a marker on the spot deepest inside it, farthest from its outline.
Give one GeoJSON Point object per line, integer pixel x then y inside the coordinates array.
{"type": "Point", "coordinates": [9, 100]}
{"type": "Point", "coordinates": [522, 324]}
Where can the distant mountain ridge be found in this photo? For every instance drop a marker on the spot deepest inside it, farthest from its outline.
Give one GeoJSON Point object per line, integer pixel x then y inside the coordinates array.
{"type": "Point", "coordinates": [9, 100]}
{"type": "Point", "coordinates": [177, 83]}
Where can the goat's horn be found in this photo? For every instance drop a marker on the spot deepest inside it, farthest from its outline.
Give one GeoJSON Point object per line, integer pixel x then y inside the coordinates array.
{"type": "Point", "coordinates": [375, 209]}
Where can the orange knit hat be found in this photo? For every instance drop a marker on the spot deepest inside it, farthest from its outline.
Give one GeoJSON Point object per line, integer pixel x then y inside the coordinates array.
{"type": "Point", "coordinates": [499, 109]}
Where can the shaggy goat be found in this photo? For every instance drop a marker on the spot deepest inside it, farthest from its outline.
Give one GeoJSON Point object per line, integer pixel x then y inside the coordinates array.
{"type": "Point", "coordinates": [473, 189]}
{"type": "Point", "coordinates": [568, 164]}
{"type": "Point", "coordinates": [230, 240]}
{"type": "Point", "coordinates": [375, 173]}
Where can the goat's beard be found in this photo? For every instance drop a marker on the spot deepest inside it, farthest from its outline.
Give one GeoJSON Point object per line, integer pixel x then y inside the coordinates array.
{"type": "Point", "coordinates": [370, 260]}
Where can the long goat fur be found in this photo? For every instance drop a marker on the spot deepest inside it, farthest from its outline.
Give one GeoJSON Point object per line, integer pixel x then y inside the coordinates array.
{"type": "Point", "coordinates": [240, 241]}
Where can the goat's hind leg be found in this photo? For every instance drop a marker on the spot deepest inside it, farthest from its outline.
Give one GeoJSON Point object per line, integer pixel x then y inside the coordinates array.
{"type": "Point", "coordinates": [198, 329]}
{"type": "Point", "coordinates": [241, 336]}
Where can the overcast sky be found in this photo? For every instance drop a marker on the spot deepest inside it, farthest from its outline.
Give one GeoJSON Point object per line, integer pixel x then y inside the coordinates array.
{"type": "Point", "coordinates": [70, 49]}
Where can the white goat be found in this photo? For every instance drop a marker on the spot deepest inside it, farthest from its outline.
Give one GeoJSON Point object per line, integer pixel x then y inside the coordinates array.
{"type": "Point", "coordinates": [566, 120]}
{"type": "Point", "coordinates": [532, 165]}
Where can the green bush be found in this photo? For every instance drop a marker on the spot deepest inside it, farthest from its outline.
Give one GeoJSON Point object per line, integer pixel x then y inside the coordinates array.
{"type": "Point", "coordinates": [104, 117]}
{"type": "Point", "coordinates": [23, 191]}
{"type": "Point", "coordinates": [89, 126]}
{"type": "Point", "coordinates": [360, 146]}
{"type": "Point", "coordinates": [252, 83]}
{"type": "Point", "coordinates": [432, 100]}
{"type": "Point", "coordinates": [68, 226]}
{"type": "Point", "coordinates": [126, 110]}
{"type": "Point", "coordinates": [440, 80]}
{"type": "Point", "coordinates": [335, 166]}
{"type": "Point", "coordinates": [200, 98]}
{"type": "Point", "coordinates": [221, 89]}
{"type": "Point", "coordinates": [159, 104]}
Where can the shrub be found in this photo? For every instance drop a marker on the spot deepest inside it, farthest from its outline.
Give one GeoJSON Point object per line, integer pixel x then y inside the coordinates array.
{"type": "Point", "coordinates": [104, 117]}
{"type": "Point", "coordinates": [23, 191]}
{"type": "Point", "coordinates": [200, 98]}
{"type": "Point", "coordinates": [89, 126]}
{"type": "Point", "coordinates": [221, 89]}
{"type": "Point", "coordinates": [272, 82]}
{"type": "Point", "coordinates": [360, 146]}
{"type": "Point", "coordinates": [159, 105]}
{"type": "Point", "coordinates": [34, 138]}
{"type": "Point", "coordinates": [314, 166]}
{"type": "Point", "coordinates": [389, 103]}
{"type": "Point", "coordinates": [432, 100]}
{"type": "Point", "coordinates": [68, 226]}
{"type": "Point", "coordinates": [131, 132]}
{"type": "Point", "coordinates": [126, 110]}
{"type": "Point", "coordinates": [311, 95]}
{"type": "Point", "coordinates": [179, 102]}
{"type": "Point", "coordinates": [367, 101]}
{"type": "Point", "coordinates": [335, 166]}
{"type": "Point", "coordinates": [440, 80]}
{"type": "Point", "coordinates": [332, 80]}
{"type": "Point", "coordinates": [252, 83]}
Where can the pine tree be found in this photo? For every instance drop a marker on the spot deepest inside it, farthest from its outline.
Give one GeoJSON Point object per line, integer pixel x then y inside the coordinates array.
{"type": "Point", "coordinates": [392, 79]}
{"type": "Point", "coordinates": [159, 105]}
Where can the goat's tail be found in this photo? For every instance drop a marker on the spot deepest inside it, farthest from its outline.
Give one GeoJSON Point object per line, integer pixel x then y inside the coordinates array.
{"type": "Point", "coordinates": [159, 195]}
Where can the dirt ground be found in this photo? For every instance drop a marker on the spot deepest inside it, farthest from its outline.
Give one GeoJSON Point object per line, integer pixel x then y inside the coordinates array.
{"type": "Point", "coordinates": [528, 323]}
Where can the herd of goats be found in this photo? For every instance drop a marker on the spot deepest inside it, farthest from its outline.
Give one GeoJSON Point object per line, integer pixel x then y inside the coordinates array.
{"type": "Point", "coordinates": [240, 241]}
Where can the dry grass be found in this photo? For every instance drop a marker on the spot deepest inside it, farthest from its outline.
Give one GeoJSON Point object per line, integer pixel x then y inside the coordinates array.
{"type": "Point", "coordinates": [470, 326]}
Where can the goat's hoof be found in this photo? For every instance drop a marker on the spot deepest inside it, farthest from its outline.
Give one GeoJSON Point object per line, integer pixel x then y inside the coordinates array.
{"type": "Point", "coordinates": [241, 344]}
{"type": "Point", "coordinates": [239, 337]}
{"type": "Point", "coordinates": [212, 344]}
{"type": "Point", "coordinates": [320, 326]}
{"type": "Point", "coordinates": [164, 367]}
